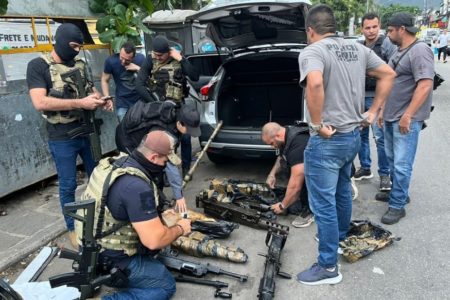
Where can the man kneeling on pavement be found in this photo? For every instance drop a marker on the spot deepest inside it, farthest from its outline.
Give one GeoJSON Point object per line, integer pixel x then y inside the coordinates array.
{"type": "Point", "coordinates": [132, 206]}
{"type": "Point", "coordinates": [291, 142]}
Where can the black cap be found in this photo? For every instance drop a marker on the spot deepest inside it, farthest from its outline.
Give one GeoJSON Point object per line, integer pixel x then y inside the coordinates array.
{"type": "Point", "coordinates": [190, 118]}
{"type": "Point", "coordinates": [160, 44]}
{"type": "Point", "coordinates": [403, 19]}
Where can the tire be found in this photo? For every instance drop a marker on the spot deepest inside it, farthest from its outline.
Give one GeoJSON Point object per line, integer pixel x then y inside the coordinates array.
{"type": "Point", "coordinates": [217, 158]}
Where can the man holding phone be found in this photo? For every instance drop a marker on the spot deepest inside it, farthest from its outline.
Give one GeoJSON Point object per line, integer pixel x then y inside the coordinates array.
{"type": "Point", "coordinates": [123, 67]}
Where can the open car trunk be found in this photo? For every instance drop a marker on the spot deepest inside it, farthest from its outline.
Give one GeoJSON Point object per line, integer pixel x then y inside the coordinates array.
{"type": "Point", "coordinates": [261, 88]}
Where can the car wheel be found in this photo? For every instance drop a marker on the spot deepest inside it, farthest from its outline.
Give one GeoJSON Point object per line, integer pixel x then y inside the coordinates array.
{"type": "Point", "coordinates": [217, 158]}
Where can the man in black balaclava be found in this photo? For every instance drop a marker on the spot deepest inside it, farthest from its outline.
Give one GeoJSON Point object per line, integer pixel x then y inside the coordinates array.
{"type": "Point", "coordinates": [163, 77]}
{"type": "Point", "coordinates": [57, 101]}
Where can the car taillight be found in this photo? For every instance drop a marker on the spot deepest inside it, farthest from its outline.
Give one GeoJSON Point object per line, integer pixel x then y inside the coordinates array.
{"type": "Point", "coordinates": [205, 89]}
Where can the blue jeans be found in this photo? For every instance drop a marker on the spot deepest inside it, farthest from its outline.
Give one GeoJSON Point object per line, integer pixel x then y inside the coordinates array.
{"type": "Point", "coordinates": [149, 279]}
{"type": "Point", "coordinates": [65, 153]}
{"type": "Point", "coordinates": [120, 112]}
{"type": "Point", "coordinates": [328, 165]}
{"type": "Point", "coordinates": [364, 151]}
{"type": "Point", "coordinates": [401, 152]}
{"type": "Point", "coordinates": [186, 151]}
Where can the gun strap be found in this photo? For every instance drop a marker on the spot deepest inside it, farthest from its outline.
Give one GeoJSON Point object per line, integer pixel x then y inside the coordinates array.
{"type": "Point", "coordinates": [105, 189]}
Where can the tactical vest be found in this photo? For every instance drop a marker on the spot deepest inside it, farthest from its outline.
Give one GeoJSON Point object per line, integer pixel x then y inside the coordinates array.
{"type": "Point", "coordinates": [371, 83]}
{"type": "Point", "coordinates": [291, 133]}
{"type": "Point", "coordinates": [143, 117]}
{"type": "Point", "coordinates": [167, 80]}
{"type": "Point", "coordinates": [116, 235]}
{"type": "Point", "coordinates": [67, 90]}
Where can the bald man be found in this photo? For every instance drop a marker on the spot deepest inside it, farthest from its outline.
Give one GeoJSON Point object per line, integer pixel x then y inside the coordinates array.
{"type": "Point", "coordinates": [291, 142]}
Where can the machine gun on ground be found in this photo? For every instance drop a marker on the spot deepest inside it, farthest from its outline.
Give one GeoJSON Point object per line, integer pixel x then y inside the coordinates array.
{"type": "Point", "coordinates": [231, 212]}
{"type": "Point", "coordinates": [194, 268]}
{"type": "Point", "coordinates": [85, 277]}
{"type": "Point", "coordinates": [243, 202]}
{"type": "Point", "coordinates": [275, 240]}
{"type": "Point", "coordinates": [89, 125]}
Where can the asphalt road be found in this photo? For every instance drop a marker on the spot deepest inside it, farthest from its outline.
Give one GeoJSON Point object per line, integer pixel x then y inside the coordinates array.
{"type": "Point", "coordinates": [417, 267]}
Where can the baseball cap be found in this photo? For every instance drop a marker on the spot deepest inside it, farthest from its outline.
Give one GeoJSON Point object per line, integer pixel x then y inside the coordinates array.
{"type": "Point", "coordinates": [173, 157]}
{"type": "Point", "coordinates": [403, 19]}
{"type": "Point", "coordinates": [190, 118]}
{"type": "Point", "coordinates": [158, 141]}
{"type": "Point", "coordinates": [160, 44]}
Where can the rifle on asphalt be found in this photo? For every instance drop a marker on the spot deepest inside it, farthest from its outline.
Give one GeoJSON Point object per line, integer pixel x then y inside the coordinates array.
{"type": "Point", "coordinates": [276, 238]}
{"type": "Point", "coordinates": [85, 277]}
{"type": "Point", "coordinates": [231, 212]}
{"type": "Point", "coordinates": [89, 124]}
{"type": "Point", "coordinates": [214, 283]}
{"type": "Point", "coordinates": [194, 268]}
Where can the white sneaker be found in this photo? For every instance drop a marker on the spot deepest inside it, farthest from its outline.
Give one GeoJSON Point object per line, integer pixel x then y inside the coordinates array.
{"type": "Point", "coordinates": [301, 221]}
{"type": "Point", "coordinates": [354, 189]}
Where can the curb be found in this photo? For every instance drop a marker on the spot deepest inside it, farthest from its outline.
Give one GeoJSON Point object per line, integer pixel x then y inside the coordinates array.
{"type": "Point", "coordinates": [35, 244]}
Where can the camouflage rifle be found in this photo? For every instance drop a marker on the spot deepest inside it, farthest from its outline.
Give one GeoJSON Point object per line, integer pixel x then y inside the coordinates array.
{"type": "Point", "coordinates": [275, 240]}
{"type": "Point", "coordinates": [89, 125]}
{"type": "Point", "coordinates": [85, 277]}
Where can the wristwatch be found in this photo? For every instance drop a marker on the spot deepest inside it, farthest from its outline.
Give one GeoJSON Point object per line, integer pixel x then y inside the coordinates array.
{"type": "Point", "coordinates": [316, 127]}
{"type": "Point", "coordinates": [281, 206]}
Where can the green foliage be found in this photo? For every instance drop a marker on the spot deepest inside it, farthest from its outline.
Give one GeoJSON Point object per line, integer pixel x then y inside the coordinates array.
{"type": "Point", "coordinates": [3, 6]}
{"type": "Point", "coordinates": [122, 20]}
{"type": "Point", "coordinates": [387, 11]}
{"type": "Point", "coordinates": [345, 9]}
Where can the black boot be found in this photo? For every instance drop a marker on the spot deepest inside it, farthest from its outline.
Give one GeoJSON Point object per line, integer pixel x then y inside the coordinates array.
{"type": "Point", "coordinates": [384, 197]}
{"type": "Point", "coordinates": [393, 215]}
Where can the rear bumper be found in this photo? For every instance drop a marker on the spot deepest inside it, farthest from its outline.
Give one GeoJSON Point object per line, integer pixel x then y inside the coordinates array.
{"type": "Point", "coordinates": [236, 143]}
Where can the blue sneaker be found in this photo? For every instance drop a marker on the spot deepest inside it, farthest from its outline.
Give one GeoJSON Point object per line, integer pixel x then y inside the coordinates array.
{"type": "Point", "coordinates": [317, 275]}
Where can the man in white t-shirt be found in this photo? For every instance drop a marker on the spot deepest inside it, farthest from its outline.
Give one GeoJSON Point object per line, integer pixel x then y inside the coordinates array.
{"type": "Point", "coordinates": [442, 43]}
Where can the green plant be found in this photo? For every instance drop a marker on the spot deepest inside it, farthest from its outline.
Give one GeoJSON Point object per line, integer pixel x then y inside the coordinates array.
{"type": "Point", "coordinates": [122, 20]}
{"type": "Point", "coordinates": [3, 6]}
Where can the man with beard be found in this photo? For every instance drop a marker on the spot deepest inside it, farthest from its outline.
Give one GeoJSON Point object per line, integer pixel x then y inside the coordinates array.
{"type": "Point", "coordinates": [290, 141]}
{"type": "Point", "coordinates": [406, 109]}
{"type": "Point", "coordinates": [57, 101]}
{"type": "Point", "coordinates": [132, 231]}
{"type": "Point", "coordinates": [163, 77]}
{"type": "Point", "coordinates": [333, 72]}
{"type": "Point", "coordinates": [123, 67]}
{"type": "Point", "coordinates": [370, 27]}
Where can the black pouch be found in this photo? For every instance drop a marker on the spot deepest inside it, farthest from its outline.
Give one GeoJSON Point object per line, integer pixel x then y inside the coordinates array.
{"type": "Point", "coordinates": [217, 229]}
{"type": "Point", "coordinates": [437, 81]}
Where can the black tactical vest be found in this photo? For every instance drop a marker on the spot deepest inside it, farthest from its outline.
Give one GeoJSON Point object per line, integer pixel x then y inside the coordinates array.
{"type": "Point", "coordinates": [371, 83]}
{"type": "Point", "coordinates": [143, 117]}
{"type": "Point", "coordinates": [291, 133]}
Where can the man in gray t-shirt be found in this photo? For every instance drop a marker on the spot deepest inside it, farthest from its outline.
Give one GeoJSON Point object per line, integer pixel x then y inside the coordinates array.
{"type": "Point", "coordinates": [333, 72]}
{"type": "Point", "coordinates": [405, 110]}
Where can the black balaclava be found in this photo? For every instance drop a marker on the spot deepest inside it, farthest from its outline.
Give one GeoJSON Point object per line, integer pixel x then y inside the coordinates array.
{"type": "Point", "coordinates": [65, 34]}
{"type": "Point", "coordinates": [160, 44]}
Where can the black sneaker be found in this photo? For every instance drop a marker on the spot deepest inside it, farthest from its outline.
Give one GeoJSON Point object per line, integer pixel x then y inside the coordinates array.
{"type": "Point", "coordinates": [384, 197]}
{"type": "Point", "coordinates": [385, 183]}
{"type": "Point", "coordinates": [393, 215]}
{"type": "Point", "coordinates": [363, 174]}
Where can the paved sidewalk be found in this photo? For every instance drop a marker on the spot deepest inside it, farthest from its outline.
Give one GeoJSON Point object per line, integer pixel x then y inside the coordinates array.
{"type": "Point", "coordinates": [29, 225]}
